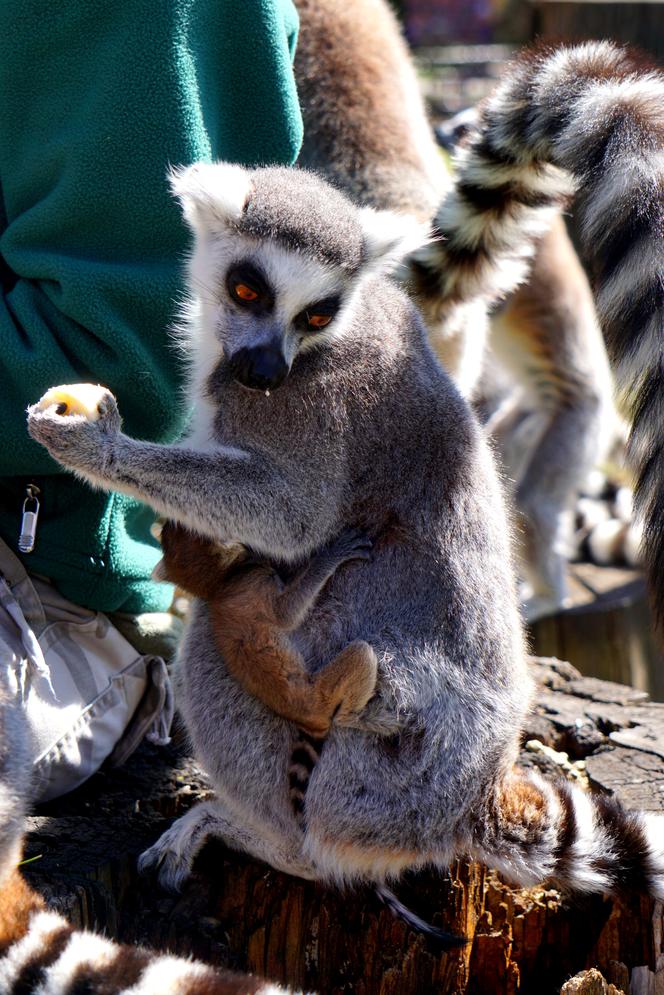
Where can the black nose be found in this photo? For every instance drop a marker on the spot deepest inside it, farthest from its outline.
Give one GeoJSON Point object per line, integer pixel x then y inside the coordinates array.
{"type": "Point", "coordinates": [261, 368]}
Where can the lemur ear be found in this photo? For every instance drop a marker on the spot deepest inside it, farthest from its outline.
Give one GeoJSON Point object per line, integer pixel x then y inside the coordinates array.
{"type": "Point", "coordinates": [390, 237]}
{"type": "Point", "coordinates": [211, 193]}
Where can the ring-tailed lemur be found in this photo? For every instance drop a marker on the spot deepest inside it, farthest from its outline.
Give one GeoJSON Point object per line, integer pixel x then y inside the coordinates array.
{"type": "Point", "coordinates": [557, 418]}
{"type": "Point", "coordinates": [365, 129]}
{"type": "Point", "coordinates": [253, 613]}
{"type": "Point", "coordinates": [558, 422]}
{"type": "Point", "coordinates": [40, 951]}
{"type": "Point", "coordinates": [595, 113]}
{"type": "Point", "coordinates": [366, 430]}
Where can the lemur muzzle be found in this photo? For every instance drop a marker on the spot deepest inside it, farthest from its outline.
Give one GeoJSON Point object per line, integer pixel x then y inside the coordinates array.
{"type": "Point", "coordinates": [260, 368]}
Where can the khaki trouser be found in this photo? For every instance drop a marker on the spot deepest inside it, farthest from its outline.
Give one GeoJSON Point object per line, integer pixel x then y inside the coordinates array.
{"type": "Point", "coordinates": [86, 691]}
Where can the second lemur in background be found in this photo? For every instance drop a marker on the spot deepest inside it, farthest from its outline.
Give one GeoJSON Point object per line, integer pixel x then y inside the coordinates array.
{"type": "Point", "coordinates": [587, 119]}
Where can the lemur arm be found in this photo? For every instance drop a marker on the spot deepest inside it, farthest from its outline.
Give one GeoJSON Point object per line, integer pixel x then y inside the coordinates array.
{"type": "Point", "coordinates": [295, 601]}
{"type": "Point", "coordinates": [224, 493]}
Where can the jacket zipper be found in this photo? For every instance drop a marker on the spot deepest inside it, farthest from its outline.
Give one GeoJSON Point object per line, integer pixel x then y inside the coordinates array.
{"type": "Point", "coordinates": [29, 517]}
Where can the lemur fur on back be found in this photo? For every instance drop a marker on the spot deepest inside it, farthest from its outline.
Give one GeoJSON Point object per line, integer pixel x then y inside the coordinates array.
{"type": "Point", "coordinates": [362, 428]}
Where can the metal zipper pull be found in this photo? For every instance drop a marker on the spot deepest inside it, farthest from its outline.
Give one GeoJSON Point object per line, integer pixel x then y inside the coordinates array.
{"type": "Point", "coordinates": [26, 540]}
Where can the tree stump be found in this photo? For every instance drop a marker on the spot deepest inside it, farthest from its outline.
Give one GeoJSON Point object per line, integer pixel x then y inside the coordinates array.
{"type": "Point", "coordinates": [239, 913]}
{"type": "Point", "coordinates": [607, 632]}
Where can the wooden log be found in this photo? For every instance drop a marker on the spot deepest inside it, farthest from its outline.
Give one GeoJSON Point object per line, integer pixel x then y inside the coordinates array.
{"type": "Point", "coordinates": [607, 632]}
{"type": "Point", "coordinates": [239, 913]}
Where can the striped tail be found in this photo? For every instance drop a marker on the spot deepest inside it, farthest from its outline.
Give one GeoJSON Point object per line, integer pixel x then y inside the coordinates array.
{"type": "Point", "coordinates": [535, 831]}
{"type": "Point", "coordinates": [49, 955]}
{"type": "Point", "coordinates": [588, 118]}
{"type": "Point", "coordinates": [304, 757]}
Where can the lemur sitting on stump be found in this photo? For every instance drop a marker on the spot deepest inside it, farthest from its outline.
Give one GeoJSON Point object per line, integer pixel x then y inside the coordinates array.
{"type": "Point", "coordinates": [303, 429]}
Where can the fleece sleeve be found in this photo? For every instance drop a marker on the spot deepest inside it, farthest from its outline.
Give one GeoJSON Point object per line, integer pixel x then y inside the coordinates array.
{"type": "Point", "coordinates": [98, 100]}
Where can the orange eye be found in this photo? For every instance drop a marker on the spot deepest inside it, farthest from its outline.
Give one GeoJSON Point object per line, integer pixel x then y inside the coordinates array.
{"type": "Point", "coordinates": [318, 320]}
{"type": "Point", "coordinates": [244, 292]}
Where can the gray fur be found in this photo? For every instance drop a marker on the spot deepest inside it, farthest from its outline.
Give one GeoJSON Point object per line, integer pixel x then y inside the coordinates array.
{"type": "Point", "coordinates": [15, 776]}
{"type": "Point", "coordinates": [552, 432]}
{"type": "Point", "coordinates": [300, 225]}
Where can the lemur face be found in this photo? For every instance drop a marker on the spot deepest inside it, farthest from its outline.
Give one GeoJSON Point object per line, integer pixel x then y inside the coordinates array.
{"type": "Point", "coordinates": [279, 256]}
{"type": "Point", "coordinates": [273, 304]}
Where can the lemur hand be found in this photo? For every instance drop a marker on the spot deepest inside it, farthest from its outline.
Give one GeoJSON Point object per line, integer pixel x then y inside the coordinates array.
{"type": "Point", "coordinates": [352, 544]}
{"type": "Point", "coordinates": [78, 424]}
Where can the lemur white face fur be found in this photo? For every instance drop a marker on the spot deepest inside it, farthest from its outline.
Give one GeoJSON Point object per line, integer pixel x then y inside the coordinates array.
{"type": "Point", "coordinates": [266, 299]}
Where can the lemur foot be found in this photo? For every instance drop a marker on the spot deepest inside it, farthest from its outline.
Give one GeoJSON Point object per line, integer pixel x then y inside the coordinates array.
{"type": "Point", "coordinates": [361, 657]}
{"type": "Point", "coordinates": [76, 423]}
{"type": "Point", "coordinates": [172, 856]}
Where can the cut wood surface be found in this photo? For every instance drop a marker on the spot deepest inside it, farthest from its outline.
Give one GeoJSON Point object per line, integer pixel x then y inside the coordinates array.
{"type": "Point", "coordinates": [240, 913]}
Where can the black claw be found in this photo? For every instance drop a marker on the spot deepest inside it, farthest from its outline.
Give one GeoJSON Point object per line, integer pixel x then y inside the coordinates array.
{"type": "Point", "coordinates": [445, 940]}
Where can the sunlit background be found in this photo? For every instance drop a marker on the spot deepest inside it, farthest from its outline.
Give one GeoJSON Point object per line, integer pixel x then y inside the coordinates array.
{"type": "Point", "coordinates": [486, 32]}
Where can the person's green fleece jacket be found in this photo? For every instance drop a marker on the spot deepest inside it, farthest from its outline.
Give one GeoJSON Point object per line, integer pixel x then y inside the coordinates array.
{"type": "Point", "coordinates": [97, 100]}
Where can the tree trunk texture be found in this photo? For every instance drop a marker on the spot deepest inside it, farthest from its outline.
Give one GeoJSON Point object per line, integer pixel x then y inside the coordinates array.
{"type": "Point", "coordinates": [239, 913]}
{"type": "Point", "coordinates": [630, 21]}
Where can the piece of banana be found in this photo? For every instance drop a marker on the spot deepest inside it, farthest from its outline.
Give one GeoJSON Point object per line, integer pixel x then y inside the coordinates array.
{"type": "Point", "coordinates": [76, 399]}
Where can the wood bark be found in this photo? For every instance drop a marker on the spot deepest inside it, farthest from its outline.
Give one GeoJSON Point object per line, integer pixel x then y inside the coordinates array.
{"type": "Point", "coordinates": [239, 913]}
